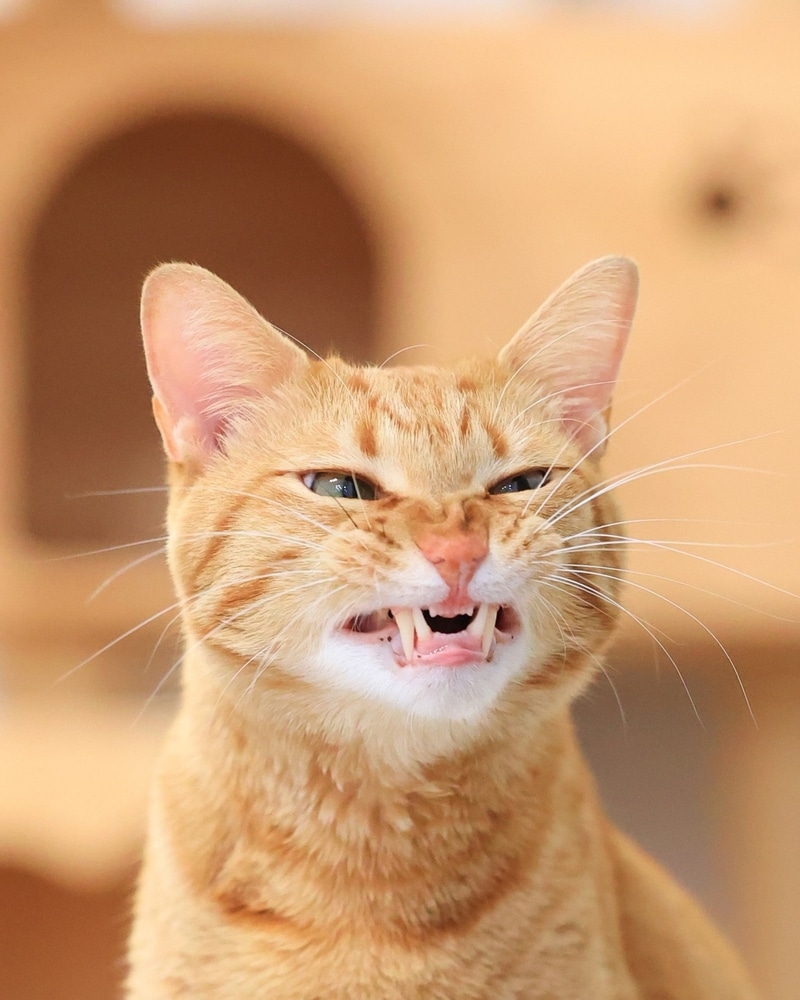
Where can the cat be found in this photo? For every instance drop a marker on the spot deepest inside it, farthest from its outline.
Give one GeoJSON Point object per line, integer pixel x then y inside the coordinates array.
{"type": "Point", "coordinates": [373, 789]}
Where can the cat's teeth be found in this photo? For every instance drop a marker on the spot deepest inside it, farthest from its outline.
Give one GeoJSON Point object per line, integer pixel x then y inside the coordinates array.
{"type": "Point", "coordinates": [483, 625]}
{"type": "Point", "coordinates": [404, 617]}
{"type": "Point", "coordinates": [411, 624]}
{"type": "Point", "coordinates": [424, 630]}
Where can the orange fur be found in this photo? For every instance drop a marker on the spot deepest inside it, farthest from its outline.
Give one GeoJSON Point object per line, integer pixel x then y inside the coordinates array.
{"type": "Point", "coordinates": [329, 822]}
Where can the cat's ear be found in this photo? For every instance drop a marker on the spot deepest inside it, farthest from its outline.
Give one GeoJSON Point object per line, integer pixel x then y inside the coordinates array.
{"type": "Point", "coordinates": [571, 348]}
{"type": "Point", "coordinates": [208, 353]}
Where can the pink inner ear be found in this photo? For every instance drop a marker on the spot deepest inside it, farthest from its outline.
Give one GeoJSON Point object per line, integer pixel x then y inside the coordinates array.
{"type": "Point", "coordinates": [186, 405]}
{"type": "Point", "coordinates": [207, 352]}
{"type": "Point", "coordinates": [572, 347]}
{"type": "Point", "coordinates": [587, 392]}
{"type": "Point", "coordinates": [199, 404]}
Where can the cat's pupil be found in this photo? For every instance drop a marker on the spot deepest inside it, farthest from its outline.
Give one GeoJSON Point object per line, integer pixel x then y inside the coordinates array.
{"type": "Point", "coordinates": [530, 480]}
{"type": "Point", "coordinates": [339, 485]}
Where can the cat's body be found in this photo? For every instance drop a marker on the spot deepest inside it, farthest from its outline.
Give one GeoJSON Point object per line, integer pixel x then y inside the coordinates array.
{"type": "Point", "coordinates": [362, 799]}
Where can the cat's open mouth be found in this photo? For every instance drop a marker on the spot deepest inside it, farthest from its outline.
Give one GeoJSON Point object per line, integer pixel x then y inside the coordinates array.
{"type": "Point", "coordinates": [420, 637]}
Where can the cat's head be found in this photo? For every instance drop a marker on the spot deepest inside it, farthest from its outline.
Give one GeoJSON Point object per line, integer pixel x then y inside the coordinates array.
{"type": "Point", "coordinates": [415, 537]}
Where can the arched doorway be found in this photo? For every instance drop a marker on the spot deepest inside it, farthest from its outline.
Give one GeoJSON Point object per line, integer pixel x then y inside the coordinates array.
{"type": "Point", "coordinates": [246, 201]}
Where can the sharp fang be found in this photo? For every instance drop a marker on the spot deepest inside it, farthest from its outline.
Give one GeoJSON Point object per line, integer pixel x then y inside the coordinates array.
{"type": "Point", "coordinates": [483, 625]}
{"type": "Point", "coordinates": [477, 624]}
{"type": "Point", "coordinates": [424, 630]}
{"type": "Point", "coordinates": [404, 620]}
{"type": "Point", "coordinates": [488, 628]}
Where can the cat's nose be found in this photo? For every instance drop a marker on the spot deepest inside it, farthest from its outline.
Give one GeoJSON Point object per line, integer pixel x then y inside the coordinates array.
{"type": "Point", "coordinates": [455, 556]}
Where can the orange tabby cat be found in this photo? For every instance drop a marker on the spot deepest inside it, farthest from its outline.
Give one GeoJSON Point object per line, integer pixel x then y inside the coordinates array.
{"type": "Point", "coordinates": [373, 790]}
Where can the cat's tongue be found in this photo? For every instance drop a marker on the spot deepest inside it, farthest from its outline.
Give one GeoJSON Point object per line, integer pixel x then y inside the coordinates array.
{"type": "Point", "coordinates": [456, 650]}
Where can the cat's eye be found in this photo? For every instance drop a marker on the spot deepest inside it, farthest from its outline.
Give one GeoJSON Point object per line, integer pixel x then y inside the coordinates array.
{"type": "Point", "coordinates": [531, 479]}
{"type": "Point", "coordinates": [340, 485]}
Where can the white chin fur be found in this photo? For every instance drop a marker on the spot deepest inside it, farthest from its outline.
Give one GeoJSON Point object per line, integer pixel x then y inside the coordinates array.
{"type": "Point", "coordinates": [455, 693]}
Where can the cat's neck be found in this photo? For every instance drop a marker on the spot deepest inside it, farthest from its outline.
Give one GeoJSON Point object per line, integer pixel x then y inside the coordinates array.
{"type": "Point", "coordinates": [296, 804]}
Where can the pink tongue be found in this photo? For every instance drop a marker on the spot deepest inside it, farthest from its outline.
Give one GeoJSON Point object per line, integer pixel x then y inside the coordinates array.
{"type": "Point", "coordinates": [455, 650]}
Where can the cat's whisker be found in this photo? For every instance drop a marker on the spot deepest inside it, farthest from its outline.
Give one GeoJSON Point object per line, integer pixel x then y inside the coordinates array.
{"type": "Point", "coordinates": [576, 644]}
{"type": "Point", "coordinates": [624, 541]}
{"type": "Point", "coordinates": [347, 513]}
{"type": "Point", "coordinates": [709, 632]}
{"type": "Point", "coordinates": [624, 522]}
{"type": "Point", "coordinates": [230, 532]}
{"type": "Point", "coordinates": [403, 350]}
{"type": "Point", "coordinates": [128, 491]}
{"type": "Point", "coordinates": [600, 445]}
{"type": "Point", "coordinates": [614, 690]}
{"type": "Point", "coordinates": [267, 652]}
{"type": "Point", "coordinates": [122, 571]}
{"type": "Point", "coordinates": [675, 464]}
{"type": "Point", "coordinates": [283, 506]}
{"type": "Point", "coordinates": [219, 627]}
{"type": "Point", "coordinates": [647, 627]}
{"type": "Point", "coordinates": [350, 517]}
{"type": "Point", "coordinates": [624, 572]}
{"type": "Point", "coordinates": [131, 631]}
{"type": "Point", "coordinates": [667, 465]}
{"type": "Point", "coordinates": [614, 541]}
{"type": "Point", "coordinates": [119, 547]}
{"type": "Point", "coordinates": [162, 682]}
{"type": "Point", "coordinates": [114, 642]}
{"type": "Point", "coordinates": [188, 602]}
{"type": "Point", "coordinates": [319, 357]}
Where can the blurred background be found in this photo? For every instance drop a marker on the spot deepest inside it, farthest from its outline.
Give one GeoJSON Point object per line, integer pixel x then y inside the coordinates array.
{"type": "Point", "coordinates": [374, 175]}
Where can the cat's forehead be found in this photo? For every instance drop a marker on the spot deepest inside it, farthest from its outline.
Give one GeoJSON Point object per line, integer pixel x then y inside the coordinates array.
{"type": "Point", "coordinates": [411, 399]}
{"type": "Point", "coordinates": [425, 429]}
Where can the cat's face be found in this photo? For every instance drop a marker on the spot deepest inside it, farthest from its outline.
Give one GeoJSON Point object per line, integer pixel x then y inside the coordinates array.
{"type": "Point", "coordinates": [407, 535]}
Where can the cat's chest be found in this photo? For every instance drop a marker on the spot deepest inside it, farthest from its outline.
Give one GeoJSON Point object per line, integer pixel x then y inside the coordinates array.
{"type": "Point", "coordinates": [514, 958]}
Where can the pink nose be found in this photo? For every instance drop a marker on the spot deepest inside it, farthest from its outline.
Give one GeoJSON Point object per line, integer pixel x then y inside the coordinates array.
{"type": "Point", "coordinates": [455, 556]}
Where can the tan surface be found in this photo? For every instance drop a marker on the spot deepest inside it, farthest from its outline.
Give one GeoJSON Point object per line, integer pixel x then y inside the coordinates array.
{"type": "Point", "coordinates": [74, 779]}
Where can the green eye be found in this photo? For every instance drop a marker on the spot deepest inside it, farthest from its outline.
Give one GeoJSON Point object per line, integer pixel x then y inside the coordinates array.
{"type": "Point", "coordinates": [339, 485]}
{"type": "Point", "coordinates": [530, 480]}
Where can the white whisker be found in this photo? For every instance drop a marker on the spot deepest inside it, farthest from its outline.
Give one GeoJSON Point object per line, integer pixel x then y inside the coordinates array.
{"type": "Point", "coordinates": [675, 464]}
{"type": "Point", "coordinates": [709, 632]}
{"type": "Point", "coordinates": [122, 570]}
{"type": "Point", "coordinates": [115, 642]}
{"type": "Point", "coordinates": [647, 627]}
{"type": "Point", "coordinates": [411, 347]}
